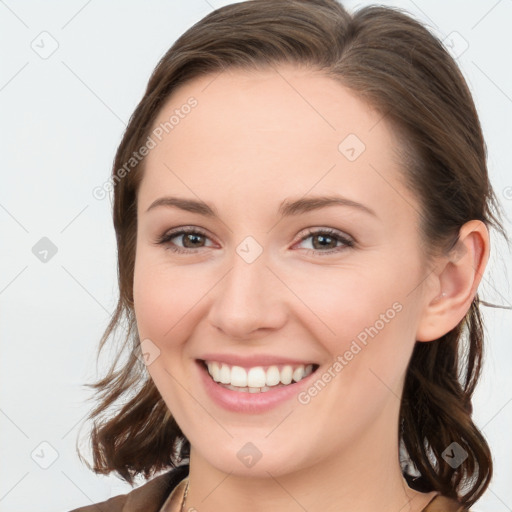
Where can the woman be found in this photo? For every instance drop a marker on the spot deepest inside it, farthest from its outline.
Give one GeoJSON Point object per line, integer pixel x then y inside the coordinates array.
{"type": "Point", "coordinates": [302, 205]}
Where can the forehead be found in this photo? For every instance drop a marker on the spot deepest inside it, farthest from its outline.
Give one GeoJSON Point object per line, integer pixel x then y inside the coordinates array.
{"type": "Point", "coordinates": [268, 134]}
{"type": "Point", "coordinates": [300, 104]}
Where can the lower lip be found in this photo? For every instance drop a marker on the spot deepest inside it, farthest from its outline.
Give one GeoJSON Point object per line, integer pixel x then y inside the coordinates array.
{"type": "Point", "coordinates": [252, 403]}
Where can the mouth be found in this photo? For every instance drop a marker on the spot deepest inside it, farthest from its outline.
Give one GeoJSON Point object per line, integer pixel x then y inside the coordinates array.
{"type": "Point", "coordinates": [256, 379]}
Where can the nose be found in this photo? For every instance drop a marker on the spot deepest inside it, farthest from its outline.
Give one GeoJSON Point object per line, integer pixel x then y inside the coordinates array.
{"type": "Point", "coordinates": [249, 300]}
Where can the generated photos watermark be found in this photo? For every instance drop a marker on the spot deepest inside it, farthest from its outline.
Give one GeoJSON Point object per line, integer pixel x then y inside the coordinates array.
{"type": "Point", "coordinates": [157, 134]}
{"type": "Point", "coordinates": [343, 360]}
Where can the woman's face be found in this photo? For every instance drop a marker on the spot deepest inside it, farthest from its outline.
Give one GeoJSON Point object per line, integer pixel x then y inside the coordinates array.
{"type": "Point", "coordinates": [273, 276]}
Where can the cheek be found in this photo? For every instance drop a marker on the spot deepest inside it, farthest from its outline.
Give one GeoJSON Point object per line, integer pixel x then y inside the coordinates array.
{"type": "Point", "coordinates": [365, 319]}
{"type": "Point", "coordinates": [169, 300]}
{"type": "Point", "coordinates": [349, 303]}
{"type": "Point", "coordinates": [160, 297]}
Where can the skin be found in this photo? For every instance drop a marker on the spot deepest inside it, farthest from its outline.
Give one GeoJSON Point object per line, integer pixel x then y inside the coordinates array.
{"type": "Point", "coordinates": [255, 139]}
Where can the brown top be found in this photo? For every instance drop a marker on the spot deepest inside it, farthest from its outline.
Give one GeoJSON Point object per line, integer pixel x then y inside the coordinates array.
{"type": "Point", "coordinates": [174, 502]}
{"type": "Point", "coordinates": [165, 492]}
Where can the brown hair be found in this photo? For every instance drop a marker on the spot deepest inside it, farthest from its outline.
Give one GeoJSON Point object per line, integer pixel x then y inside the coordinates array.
{"type": "Point", "coordinates": [396, 65]}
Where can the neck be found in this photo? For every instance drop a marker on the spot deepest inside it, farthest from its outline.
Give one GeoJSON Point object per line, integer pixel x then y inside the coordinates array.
{"type": "Point", "coordinates": [362, 477]}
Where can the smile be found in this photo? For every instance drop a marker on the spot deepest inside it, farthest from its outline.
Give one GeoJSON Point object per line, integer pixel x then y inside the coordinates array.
{"type": "Point", "coordinates": [257, 379]}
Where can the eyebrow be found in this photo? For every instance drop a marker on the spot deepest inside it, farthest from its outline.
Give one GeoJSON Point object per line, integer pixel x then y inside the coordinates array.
{"type": "Point", "coordinates": [286, 209]}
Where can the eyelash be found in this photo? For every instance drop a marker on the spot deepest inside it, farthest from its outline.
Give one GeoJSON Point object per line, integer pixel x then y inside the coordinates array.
{"type": "Point", "coordinates": [336, 235]}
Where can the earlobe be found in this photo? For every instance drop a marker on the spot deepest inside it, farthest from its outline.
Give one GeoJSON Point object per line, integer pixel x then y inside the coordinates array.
{"type": "Point", "coordinates": [458, 275]}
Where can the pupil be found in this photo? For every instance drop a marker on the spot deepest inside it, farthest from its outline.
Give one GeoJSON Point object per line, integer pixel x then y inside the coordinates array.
{"type": "Point", "coordinates": [322, 237]}
{"type": "Point", "coordinates": [189, 237]}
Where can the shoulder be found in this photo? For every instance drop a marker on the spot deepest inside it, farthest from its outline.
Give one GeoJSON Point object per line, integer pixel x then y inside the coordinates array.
{"type": "Point", "coordinates": [148, 497]}
{"type": "Point", "coordinates": [443, 504]}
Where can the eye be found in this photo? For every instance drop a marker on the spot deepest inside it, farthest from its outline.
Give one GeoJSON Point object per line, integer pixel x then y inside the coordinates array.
{"type": "Point", "coordinates": [324, 241]}
{"type": "Point", "coordinates": [191, 237]}
{"type": "Point", "coordinates": [327, 238]}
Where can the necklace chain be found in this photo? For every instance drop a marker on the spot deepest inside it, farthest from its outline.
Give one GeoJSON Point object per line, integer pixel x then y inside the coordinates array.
{"type": "Point", "coordinates": [186, 493]}
{"type": "Point", "coordinates": [184, 497]}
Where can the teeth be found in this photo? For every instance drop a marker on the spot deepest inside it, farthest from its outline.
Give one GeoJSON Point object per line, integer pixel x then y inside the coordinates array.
{"type": "Point", "coordinates": [224, 374]}
{"type": "Point", "coordinates": [298, 373]}
{"type": "Point", "coordinates": [238, 377]}
{"type": "Point", "coordinates": [273, 376]}
{"type": "Point", "coordinates": [258, 378]}
{"type": "Point", "coordinates": [286, 374]}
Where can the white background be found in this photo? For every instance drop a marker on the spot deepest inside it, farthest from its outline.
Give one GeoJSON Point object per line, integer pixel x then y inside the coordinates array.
{"type": "Point", "coordinates": [62, 118]}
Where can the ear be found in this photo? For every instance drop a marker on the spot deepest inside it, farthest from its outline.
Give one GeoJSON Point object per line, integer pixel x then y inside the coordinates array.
{"type": "Point", "coordinates": [454, 282]}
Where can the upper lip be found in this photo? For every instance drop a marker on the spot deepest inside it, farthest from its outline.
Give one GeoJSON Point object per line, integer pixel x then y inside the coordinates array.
{"type": "Point", "coordinates": [254, 360]}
